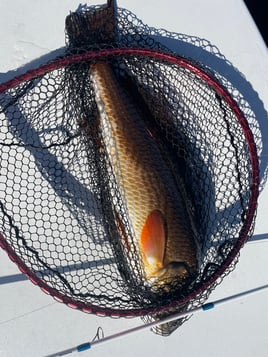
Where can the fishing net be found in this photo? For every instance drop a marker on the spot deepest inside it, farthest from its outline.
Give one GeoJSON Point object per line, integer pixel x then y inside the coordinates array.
{"type": "Point", "coordinates": [58, 192]}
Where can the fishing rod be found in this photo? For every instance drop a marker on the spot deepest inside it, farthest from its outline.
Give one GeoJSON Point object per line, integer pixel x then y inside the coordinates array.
{"type": "Point", "coordinates": [203, 308]}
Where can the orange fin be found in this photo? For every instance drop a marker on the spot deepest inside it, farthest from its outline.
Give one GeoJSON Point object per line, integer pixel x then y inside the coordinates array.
{"type": "Point", "coordinates": [153, 241]}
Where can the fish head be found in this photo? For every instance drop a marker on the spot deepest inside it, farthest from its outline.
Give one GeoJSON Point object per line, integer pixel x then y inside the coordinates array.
{"type": "Point", "coordinates": [153, 243]}
{"type": "Point", "coordinates": [173, 273]}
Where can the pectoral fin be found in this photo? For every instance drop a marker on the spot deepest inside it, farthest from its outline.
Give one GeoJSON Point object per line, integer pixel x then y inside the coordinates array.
{"type": "Point", "coordinates": [153, 242]}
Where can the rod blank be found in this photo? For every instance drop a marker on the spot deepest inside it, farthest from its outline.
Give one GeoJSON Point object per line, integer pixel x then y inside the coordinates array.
{"type": "Point", "coordinates": [203, 308]}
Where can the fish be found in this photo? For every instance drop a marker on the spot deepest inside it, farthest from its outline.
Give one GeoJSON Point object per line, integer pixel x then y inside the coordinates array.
{"type": "Point", "coordinates": [147, 177]}
{"type": "Point", "coordinates": [155, 205]}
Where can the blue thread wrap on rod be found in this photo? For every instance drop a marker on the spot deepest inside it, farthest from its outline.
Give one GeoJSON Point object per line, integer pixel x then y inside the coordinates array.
{"type": "Point", "coordinates": [208, 306]}
{"type": "Point", "coordinates": [84, 347]}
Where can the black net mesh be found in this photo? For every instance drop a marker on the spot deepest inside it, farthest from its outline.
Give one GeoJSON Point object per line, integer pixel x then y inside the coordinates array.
{"type": "Point", "coordinates": [58, 190]}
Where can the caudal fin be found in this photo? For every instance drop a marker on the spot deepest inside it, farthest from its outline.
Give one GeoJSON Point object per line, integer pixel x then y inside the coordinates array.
{"type": "Point", "coordinates": [92, 27]}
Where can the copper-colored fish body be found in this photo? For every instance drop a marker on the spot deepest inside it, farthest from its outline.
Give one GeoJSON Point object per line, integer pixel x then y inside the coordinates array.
{"type": "Point", "coordinates": [157, 209]}
{"type": "Point", "coordinates": [146, 176]}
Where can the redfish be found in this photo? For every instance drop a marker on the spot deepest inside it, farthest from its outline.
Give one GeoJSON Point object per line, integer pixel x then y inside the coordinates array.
{"type": "Point", "coordinates": [148, 178]}
{"type": "Point", "coordinates": [156, 207]}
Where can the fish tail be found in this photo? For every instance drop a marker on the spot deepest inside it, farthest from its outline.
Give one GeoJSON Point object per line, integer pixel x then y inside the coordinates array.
{"type": "Point", "coordinates": [94, 26]}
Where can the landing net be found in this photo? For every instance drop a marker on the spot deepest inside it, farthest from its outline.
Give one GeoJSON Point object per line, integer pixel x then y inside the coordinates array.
{"type": "Point", "coordinates": [57, 219]}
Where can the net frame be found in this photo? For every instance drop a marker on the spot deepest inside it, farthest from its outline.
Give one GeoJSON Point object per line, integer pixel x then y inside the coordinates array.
{"type": "Point", "coordinates": [251, 212]}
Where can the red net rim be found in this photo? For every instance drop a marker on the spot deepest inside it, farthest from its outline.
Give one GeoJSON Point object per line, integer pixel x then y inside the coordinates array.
{"type": "Point", "coordinates": [221, 91]}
